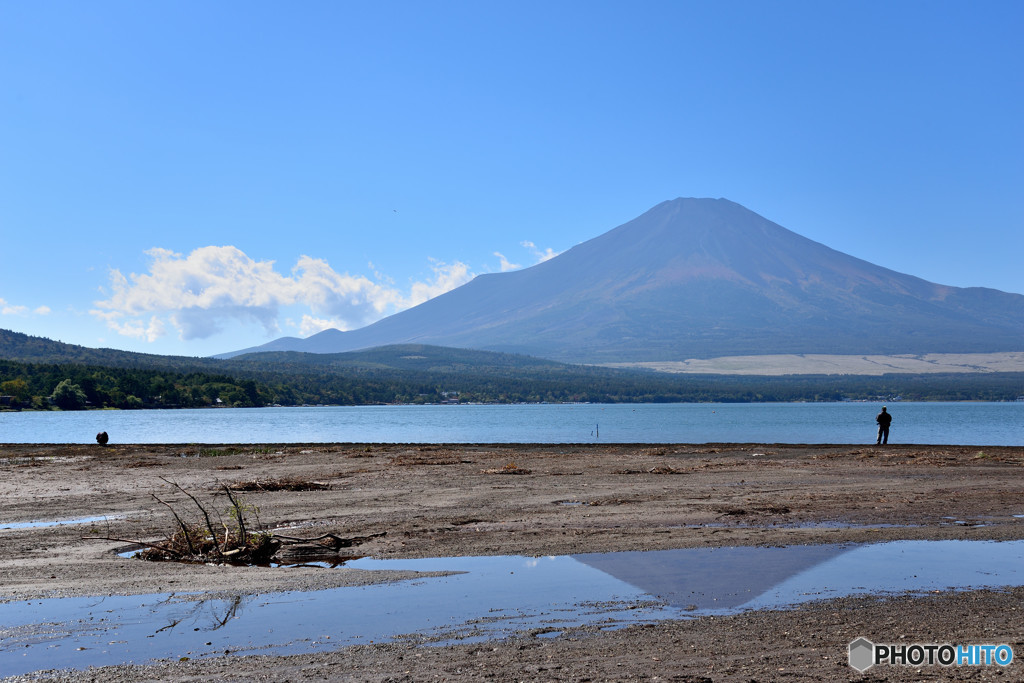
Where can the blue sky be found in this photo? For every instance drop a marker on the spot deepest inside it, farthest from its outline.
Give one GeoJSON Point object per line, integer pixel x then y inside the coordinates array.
{"type": "Point", "coordinates": [192, 178]}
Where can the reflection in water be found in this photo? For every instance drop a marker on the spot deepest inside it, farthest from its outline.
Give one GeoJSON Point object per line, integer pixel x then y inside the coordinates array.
{"type": "Point", "coordinates": [210, 614]}
{"type": "Point", "coordinates": [723, 580]}
{"type": "Point", "coordinates": [710, 578]}
{"type": "Point", "coordinates": [59, 522]}
{"type": "Point", "coordinates": [491, 597]}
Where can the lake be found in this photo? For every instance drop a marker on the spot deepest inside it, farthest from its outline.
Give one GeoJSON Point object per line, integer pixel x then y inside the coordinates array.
{"type": "Point", "coordinates": [968, 423]}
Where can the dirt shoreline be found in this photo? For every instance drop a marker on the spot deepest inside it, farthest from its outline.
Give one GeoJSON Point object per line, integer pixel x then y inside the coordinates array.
{"type": "Point", "coordinates": [497, 499]}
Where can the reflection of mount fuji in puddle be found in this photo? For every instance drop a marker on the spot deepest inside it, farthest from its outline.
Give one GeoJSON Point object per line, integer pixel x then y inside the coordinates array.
{"type": "Point", "coordinates": [721, 580]}
{"type": "Point", "coordinates": [710, 578]}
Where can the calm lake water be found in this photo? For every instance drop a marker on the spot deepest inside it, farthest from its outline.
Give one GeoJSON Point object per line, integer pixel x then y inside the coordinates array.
{"type": "Point", "coordinates": [975, 423]}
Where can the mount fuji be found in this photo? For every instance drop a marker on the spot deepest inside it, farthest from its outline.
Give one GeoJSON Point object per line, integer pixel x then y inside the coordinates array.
{"type": "Point", "coordinates": [696, 278]}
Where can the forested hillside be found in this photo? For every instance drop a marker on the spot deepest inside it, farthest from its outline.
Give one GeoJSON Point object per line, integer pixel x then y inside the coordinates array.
{"type": "Point", "coordinates": [29, 349]}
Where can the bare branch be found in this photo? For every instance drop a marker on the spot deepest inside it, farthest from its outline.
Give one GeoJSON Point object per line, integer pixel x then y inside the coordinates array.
{"type": "Point", "coordinates": [132, 541]}
{"type": "Point", "coordinates": [239, 515]}
{"type": "Point", "coordinates": [181, 525]}
{"type": "Point", "coordinates": [206, 515]}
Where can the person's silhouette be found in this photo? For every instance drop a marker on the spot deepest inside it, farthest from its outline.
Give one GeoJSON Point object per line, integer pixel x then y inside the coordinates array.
{"type": "Point", "coordinates": [883, 419]}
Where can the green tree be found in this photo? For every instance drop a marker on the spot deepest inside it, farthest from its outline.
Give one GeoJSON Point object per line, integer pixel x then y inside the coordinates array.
{"type": "Point", "coordinates": [91, 386]}
{"type": "Point", "coordinates": [68, 396]}
{"type": "Point", "coordinates": [237, 398]}
{"type": "Point", "coordinates": [251, 392]}
{"type": "Point", "coordinates": [18, 388]}
{"type": "Point", "coordinates": [171, 396]}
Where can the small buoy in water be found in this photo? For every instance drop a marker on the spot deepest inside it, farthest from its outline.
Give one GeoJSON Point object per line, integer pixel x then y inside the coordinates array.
{"type": "Point", "coordinates": [102, 438]}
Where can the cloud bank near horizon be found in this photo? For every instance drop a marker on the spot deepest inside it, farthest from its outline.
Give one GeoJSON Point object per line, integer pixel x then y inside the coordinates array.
{"type": "Point", "coordinates": [199, 294]}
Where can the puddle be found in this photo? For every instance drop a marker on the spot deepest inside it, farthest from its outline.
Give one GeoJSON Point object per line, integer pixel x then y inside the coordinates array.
{"type": "Point", "coordinates": [5, 526]}
{"type": "Point", "coordinates": [837, 524]}
{"type": "Point", "coordinates": [797, 525]}
{"type": "Point", "coordinates": [953, 521]}
{"type": "Point", "coordinates": [488, 598]}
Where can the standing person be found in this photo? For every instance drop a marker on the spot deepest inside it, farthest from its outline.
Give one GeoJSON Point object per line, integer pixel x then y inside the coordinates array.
{"type": "Point", "coordinates": [883, 419]}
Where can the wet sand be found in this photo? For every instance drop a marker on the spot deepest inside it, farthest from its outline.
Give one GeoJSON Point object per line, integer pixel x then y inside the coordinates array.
{"type": "Point", "coordinates": [436, 500]}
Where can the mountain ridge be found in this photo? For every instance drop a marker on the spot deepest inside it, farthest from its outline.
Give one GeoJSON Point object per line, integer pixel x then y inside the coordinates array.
{"type": "Point", "coordinates": [696, 278]}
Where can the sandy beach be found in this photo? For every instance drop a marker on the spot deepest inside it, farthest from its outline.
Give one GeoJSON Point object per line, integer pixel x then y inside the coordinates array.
{"type": "Point", "coordinates": [414, 501]}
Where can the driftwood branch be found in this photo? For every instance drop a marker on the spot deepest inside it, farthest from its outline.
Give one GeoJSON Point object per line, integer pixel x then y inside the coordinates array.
{"type": "Point", "coordinates": [181, 525]}
{"type": "Point", "coordinates": [339, 542]}
{"type": "Point", "coordinates": [206, 515]}
{"type": "Point", "coordinates": [133, 541]}
{"type": "Point", "coordinates": [240, 543]}
{"type": "Point", "coordinates": [239, 515]}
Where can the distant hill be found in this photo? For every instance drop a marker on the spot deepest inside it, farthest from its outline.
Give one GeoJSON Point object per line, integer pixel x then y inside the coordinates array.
{"type": "Point", "coordinates": [29, 349]}
{"type": "Point", "coordinates": [411, 358]}
{"type": "Point", "coordinates": [696, 278]}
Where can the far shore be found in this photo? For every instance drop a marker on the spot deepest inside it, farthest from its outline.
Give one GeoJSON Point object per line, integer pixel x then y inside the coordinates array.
{"type": "Point", "coordinates": [824, 364]}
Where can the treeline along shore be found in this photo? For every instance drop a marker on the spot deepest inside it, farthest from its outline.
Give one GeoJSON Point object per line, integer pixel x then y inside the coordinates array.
{"type": "Point", "coordinates": [47, 386]}
{"type": "Point", "coordinates": [42, 374]}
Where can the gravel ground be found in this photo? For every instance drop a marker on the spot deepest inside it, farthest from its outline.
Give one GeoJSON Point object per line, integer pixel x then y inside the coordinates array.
{"type": "Point", "coordinates": [439, 500]}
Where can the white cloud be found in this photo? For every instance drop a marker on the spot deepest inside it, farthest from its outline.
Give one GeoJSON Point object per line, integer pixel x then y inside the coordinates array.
{"type": "Point", "coordinates": [139, 329]}
{"type": "Point", "coordinates": [311, 325]}
{"type": "Point", "coordinates": [353, 299]}
{"type": "Point", "coordinates": [10, 309]}
{"type": "Point", "coordinates": [505, 264]}
{"type": "Point", "coordinates": [200, 293]}
{"type": "Point", "coordinates": [7, 308]}
{"type": "Point", "coordinates": [446, 277]}
{"type": "Point", "coordinates": [538, 255]}
{"type": "Point", "coordinates": [541, 256]}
